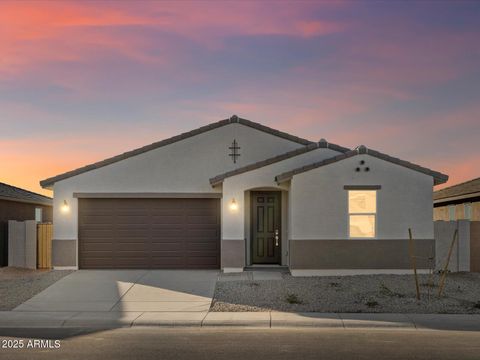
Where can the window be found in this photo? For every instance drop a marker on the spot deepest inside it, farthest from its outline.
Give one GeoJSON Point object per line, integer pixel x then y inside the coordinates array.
{"type": "Point", "coordinates": [451, 212]}
{"type": "Point", "coordinates": [362, 213]}
{"type": "Point", "coordinates": [38, 214]}
{"type": "Point", "coordinates": [467, 210]}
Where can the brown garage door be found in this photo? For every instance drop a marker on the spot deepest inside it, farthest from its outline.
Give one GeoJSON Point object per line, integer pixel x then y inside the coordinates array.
{"type": "Point", "coordinates": [149, 233]}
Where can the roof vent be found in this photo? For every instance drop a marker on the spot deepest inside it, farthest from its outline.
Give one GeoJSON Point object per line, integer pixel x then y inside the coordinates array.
{"type": "Point", "coordinates": [234, 118]}
{"type": "Point", "coordinates": [322, 143]}
{"type": "Point", "coordinates": [362, 149]}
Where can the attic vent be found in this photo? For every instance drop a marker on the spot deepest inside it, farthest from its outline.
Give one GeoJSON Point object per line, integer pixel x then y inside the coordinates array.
{"type": "Point", "coordinates": [234, 154]}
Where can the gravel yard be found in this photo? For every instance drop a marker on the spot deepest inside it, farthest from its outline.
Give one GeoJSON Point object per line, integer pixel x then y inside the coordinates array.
{"type": "Point", "coordinates": [351, 294]}
{"type": "Point", "coordinates": [18, 285]}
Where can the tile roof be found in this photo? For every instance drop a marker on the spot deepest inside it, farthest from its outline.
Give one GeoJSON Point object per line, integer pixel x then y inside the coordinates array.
{"type": "Point", "coordinates": [465, 188]}
{"type": "Point", "coordinates": [234, 119]}
{"type": "Point", "coordinates": [13, 193]}
{"type": "Point", "coordinates": [438, 177]}
{"type": "Point", "coordinates": [321, 144]}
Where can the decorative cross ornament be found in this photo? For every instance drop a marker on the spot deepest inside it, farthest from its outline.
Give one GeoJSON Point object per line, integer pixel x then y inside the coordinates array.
{"type": "Point", "coordinates": [234, 148]}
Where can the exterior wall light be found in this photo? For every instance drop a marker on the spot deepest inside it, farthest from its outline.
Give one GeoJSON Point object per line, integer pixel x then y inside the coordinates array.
{"type": "Point", "coordinates": [233, 205]}
{"type": "Point", "coordinates": [65, 207]}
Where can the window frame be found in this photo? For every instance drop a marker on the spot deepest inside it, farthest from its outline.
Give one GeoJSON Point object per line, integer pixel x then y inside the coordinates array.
{"type": "Point", "coordinates": [373, 188]}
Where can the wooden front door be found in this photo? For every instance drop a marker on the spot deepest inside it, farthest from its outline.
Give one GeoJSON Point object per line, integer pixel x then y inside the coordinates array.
{"type": "Point", "coordinates": [266, 227]}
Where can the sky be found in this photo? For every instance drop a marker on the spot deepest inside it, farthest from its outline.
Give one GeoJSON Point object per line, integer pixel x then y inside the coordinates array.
{"type": "Point", "coordinates": [83, 81]}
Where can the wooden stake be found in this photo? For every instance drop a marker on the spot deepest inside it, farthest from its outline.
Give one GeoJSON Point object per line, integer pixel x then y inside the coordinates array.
{"type": "Point", "coordinates": [445, 269]}
{"type": "Point", "coordinates": [411, 250]}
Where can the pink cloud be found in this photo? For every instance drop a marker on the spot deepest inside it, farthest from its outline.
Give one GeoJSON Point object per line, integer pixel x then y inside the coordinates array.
{"type": "Point", "coordinates": [35, 32]}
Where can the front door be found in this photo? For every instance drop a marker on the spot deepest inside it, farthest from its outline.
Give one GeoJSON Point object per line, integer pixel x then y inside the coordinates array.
{"type": "Point", "coordinates": [266, 227]}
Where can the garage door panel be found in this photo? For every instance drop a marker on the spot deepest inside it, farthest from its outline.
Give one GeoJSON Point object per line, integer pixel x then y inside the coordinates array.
{"type": "Point", "coordinates": [131, 233]}
{"type": "Point", "coordinates": [202, 219]}
{"type": "Point", "coordinates": [166, 203]}
{"type": "Point", "coordinates": [96, 233]}
{"type": "Point", "coordinates": [126, 220]}
{"type": "Point", "coordinates": [131, 262]}
{"type": "Point", "coordinates": [99, 264]}
{"type": "Point", "coordinates": [202, 246]}
{"type": "Point", "coordinates": [96, 246]}
{"type": "Point", "coordinates": [164, 228]}
{"type": "Point", "coordinates": [99, 254]}
{"type": "Point", "coordinates": [170, 261]}
{"type": "Point", "coordinates": [167, 235]}
{"type": "Point", "coordinates": [167, 246]}
{"type": "Point", "coordinates": [97, 219]}
{"type": "Point", "coordinates": [165, 240]}
{"type": "Point", "coordinates": [149, 233]}
{"type": "Point", "coordinates": [202, 233]}
{"type": "Point", "coordinates": [99, 227]}
{"type": "Point", "coordinates": [201, 211]}
{"type": "Point", "coordinates": [202, 261]}
{"type": "Point", "coordinates": [132, 246]}
{"type": "Point", "coordinates": [168, 219]}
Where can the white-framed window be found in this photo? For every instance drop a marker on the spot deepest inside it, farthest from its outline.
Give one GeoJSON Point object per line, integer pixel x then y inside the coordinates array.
{"type": "Point", "coordinates": [362, 213]}
{"type": "Point", "coordinates": [451, 212]}
{"type": "Point", "coordinates": [467, 211]}
{"type": "Point", "coordinates": [38, 214]}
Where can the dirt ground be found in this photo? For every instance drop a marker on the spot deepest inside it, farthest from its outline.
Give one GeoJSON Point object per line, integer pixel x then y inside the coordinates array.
{"type": "Point", "coordinates": [18, 285]}
{"type": "Point", "coordinates": [361, 293]}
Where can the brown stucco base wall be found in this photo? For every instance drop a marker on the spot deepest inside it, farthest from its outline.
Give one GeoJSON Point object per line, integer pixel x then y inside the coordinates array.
{"type": "Point", "coordinates": [233, 253]}
{"type": "Point", "coordinates": [64, 253]}
{"type": "Point", "coordinates": [475, 246]}
{"type": "Point", "coordinates": [358, 254]}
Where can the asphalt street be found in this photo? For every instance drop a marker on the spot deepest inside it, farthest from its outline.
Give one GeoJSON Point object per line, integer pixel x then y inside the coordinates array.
{"type": "Point", "coordinates": [223, 343]}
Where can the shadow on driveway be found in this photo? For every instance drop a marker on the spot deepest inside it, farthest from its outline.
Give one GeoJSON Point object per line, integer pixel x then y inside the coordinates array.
{"type": "Point", "coordinates": [127, 291]}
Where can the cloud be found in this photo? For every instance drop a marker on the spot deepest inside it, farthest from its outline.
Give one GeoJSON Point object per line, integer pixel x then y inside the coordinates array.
{"type": "Point", "coordinates": [35, 32]}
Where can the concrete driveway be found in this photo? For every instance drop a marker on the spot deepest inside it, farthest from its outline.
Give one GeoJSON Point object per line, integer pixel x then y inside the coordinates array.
{"type": "Point", "coordinates": [127, 290]}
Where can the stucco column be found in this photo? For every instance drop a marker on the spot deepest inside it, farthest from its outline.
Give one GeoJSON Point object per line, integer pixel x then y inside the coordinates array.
{"type": "Point", "coordinates": [233, 229]}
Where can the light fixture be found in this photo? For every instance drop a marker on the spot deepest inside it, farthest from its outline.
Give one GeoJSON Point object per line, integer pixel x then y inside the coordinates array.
{"type": "Point", "coordinates": [233, 205]}
{"type": "Point", "coordinates": [65, 207]}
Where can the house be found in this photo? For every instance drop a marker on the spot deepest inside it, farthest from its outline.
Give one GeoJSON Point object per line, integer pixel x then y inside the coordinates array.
{"type": "Point", "coordinates": [458, 202]}
{"type": "Point", "coordinates": [19, 204]}
{"type": "Point", "coordinates": [236, 193]}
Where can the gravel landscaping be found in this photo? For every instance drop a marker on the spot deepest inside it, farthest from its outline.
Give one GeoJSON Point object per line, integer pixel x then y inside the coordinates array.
{"type": "Point", "coordinates": [18, 285]}
{"type": "Point", "coordinates": [351, 294]}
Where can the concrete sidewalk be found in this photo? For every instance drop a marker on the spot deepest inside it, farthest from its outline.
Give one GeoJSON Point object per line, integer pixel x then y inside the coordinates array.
{"type": "Point", "coordinates": [112, 319]}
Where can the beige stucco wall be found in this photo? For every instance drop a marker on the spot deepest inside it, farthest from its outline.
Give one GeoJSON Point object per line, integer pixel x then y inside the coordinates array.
{"type": "Point", "coordinates": [319, 203]}
{"type": "Point", "coordinates": [233, 226]}
{"type": "Point", "coordinates": [184, 166]}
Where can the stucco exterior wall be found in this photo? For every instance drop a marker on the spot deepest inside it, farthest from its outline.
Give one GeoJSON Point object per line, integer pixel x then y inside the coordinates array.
{"type": "Point", "coordinates": [236, 224]}
{"type": "Point", "coordinates": [184, 166]}
{"type": "Point", "coordinates": [233, 226]}
{"type": "Point", "coordinates": [319, 202]}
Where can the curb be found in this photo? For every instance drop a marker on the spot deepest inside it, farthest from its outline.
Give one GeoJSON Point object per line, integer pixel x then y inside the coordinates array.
{"type": "Point", "coordinates": [272, 320]}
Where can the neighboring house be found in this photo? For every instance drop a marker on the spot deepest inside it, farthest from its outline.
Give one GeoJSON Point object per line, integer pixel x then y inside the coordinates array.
{"type": "Point", "coordinates": [236, 193]}
{"type": "Point", "coordinates": [457, 202]}
{"type": "Point", "coordinates": [19, 204]}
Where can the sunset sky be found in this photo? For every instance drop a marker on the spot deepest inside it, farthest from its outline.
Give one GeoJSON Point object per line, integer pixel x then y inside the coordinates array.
{"type": "Point", "coordinates": [82, 81]}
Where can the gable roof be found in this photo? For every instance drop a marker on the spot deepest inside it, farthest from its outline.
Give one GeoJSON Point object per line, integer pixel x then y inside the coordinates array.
{"type": "Point", "coordinates": [321, 144]}
{"type": "Point", "coordinates": [13, 193]}
{"type": "Point", "coordinates": [465, 190]}
{"type": "Point", "coordinates": [438, 177]}
{"type": "Point", "coordinates": [234, 119]}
